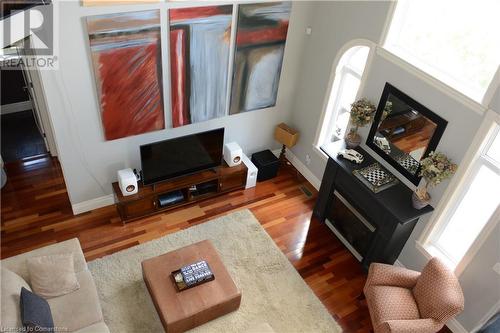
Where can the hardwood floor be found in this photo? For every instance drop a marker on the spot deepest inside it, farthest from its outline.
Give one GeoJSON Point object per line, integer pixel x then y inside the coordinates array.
{"type": "Point", "coordinates": [35, 211]}
{"type": "Point", "coordinates": [20, 137]}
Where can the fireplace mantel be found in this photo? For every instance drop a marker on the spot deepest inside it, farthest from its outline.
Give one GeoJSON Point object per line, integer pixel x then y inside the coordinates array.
{"type": "Point", "coordinates": [374, 226]}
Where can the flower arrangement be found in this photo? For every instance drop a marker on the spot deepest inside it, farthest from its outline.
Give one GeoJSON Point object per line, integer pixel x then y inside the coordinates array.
{"type": "Point", "coordinates": [362, 112]}
{"type": "Point", "coordinates": [435, 168]}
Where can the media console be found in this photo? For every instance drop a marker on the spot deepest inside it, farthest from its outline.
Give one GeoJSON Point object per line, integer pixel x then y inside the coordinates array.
{"type": "Point", "coordinates": [170, 194]}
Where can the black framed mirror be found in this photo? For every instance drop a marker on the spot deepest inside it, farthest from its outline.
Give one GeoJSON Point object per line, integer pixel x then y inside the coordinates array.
{"type": "Point", "coordinates": [404, 132]}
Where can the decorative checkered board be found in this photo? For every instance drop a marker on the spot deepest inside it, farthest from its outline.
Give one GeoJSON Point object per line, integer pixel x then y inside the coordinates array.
{"type": "Point", "coordinates": [408, 162]}
{"type": "Point", "coordinates": [376, 177]}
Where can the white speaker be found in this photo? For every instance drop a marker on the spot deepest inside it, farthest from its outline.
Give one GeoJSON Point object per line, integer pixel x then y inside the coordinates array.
{"type": "Point", "coordinates": [232, 154]}
{"type": "Point", "coordinates": [251, 173]}
{"type": "Point", "coordinates": [127, 181]}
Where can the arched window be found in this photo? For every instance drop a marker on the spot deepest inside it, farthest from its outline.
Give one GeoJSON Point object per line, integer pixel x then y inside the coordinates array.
{"type": "Point", "coordinates": [343, 93]}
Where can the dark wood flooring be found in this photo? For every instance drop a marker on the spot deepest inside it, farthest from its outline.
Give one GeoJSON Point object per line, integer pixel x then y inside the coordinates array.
{"type": "Point", "coordinates": [35, 211]}
{"type": "Point", "coordinates": [20, 137]}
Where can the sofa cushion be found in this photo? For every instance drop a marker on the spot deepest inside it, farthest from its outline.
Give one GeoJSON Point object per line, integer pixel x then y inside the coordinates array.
{"type": "Point", "coordinates": [35, 312]}
{"type": "Point", "coordinates": [78, 309]}
{"type": "Point", "coordinates": [99, 327]}
{"type": "Point", "coordinates": [53, 275]}
{"type": "Point", "coordinates": [391, 303]}
{"type": "Point", "coordinates": [17, 264]}
{"type": "Point", "coordinates": [11, 290]}
{"type": "Point", "coordinates": [438, 292]}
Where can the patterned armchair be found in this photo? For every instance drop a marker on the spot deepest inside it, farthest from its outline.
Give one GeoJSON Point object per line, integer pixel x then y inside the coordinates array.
{"type": "Point", "coordinates": [401, 300]}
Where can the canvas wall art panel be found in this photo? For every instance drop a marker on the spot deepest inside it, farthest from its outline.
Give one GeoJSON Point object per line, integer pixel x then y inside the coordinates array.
{"type": "Point", "coordinates": [126, 57]}
{"type": "Point", "coordinates": [260, 45]}
{"type": "Point", "coordinates": [199, 61]}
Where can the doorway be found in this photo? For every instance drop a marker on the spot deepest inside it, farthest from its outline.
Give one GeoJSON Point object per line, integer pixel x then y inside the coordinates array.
{"type": "Point", "coordinates": [26, 131]}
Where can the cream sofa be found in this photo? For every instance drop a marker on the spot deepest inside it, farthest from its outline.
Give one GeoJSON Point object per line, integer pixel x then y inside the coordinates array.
{"type": "Point", "coordinates": [78, 311]}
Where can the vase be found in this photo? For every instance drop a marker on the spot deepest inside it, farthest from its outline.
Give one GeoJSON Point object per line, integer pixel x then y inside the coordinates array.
{"type": "Point", "coordinates": [418, 203]}
{"type": "Point", "coordinates": [352, 140]}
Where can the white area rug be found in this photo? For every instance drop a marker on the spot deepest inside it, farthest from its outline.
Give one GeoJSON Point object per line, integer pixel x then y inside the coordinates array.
{"type": "Point", "coordinates": [272, 290]}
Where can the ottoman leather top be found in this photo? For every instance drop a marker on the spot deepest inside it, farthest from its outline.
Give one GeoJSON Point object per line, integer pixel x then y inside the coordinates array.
{"type": "Point", "coordinates": [180, 311]}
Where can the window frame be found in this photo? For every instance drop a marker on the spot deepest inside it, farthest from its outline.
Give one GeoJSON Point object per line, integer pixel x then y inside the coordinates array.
{"type": "Point", "coordinates": [324, 131]}
{"type": "Point", "coordinates": [473, 160]}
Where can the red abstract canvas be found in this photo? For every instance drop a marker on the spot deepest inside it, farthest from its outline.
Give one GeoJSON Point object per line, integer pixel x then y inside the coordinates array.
{"type": "Point", "coordinates": [126, 55]}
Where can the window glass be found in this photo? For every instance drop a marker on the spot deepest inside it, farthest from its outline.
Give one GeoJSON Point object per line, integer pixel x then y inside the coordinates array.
{"type": "Point", "coordinates": [458, 42]}
{"type": "Point", "coordinates": [349, 91]}
{"type": "Point", "coordinates": [341, 123]}
{"type": "Point", "coordinates": [358, 59]}
{"type": "Point", "coordinates": [475, 205]}
{"type": "Point", "coordinates": [474, 211]}
{"type": "Point", "coordinates": [345, 88]}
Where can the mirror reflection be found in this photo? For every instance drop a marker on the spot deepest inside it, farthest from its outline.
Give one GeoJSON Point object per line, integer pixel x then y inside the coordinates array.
{"type": "Point", "coordinates": [403, 133]}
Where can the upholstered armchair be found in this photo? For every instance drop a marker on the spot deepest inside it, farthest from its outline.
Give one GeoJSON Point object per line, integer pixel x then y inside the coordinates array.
{"type": "Point", "coordinates": [401, 300]}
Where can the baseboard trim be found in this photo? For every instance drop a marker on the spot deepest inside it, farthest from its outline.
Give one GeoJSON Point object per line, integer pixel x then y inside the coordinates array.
{"type": "Point", "coordinates": [399, 264]}
{"type": "Point", "coordinates": [15, 107]}
{"type": "Point", "coordinates": [455, 326]}
{"type": "Point", "coordinates": [92, 204]}
{"type": "Point", "coordinates": [311, 178]}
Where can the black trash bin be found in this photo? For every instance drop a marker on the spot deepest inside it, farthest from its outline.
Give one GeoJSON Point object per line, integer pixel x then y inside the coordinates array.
{"type": "Point", "coordinates": [267, 163]}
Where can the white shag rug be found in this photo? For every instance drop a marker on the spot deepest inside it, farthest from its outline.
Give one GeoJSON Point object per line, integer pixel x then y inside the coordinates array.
{"type": "Point", "coordinates": [272, 290]}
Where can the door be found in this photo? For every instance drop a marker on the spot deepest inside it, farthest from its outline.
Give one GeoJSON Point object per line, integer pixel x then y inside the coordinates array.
{"type": "Point", "coordinates": [34, 105]}
{"type": "Point", "coordinates": [40, 111]}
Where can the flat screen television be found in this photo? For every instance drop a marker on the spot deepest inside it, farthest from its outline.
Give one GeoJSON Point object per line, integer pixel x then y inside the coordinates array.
{"type": "Point", "coordinates": [180, 156]}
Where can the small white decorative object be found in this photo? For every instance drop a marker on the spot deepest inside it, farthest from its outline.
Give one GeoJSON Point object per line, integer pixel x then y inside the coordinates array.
{"type": "Point", "coordinates": [382, 143]}
{"type": "Point", "coordinates": [251, 173]}
{"type": "Point", "coordinates": [127, 181]}
{"type": "Point", "coordinates": [232, 154]}
{"type": "Point", "coordinates": [351, 155]}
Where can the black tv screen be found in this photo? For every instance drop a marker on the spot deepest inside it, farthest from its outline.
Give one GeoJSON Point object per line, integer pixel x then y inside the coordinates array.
{"type": "Point", "coordinates": [181, 156]}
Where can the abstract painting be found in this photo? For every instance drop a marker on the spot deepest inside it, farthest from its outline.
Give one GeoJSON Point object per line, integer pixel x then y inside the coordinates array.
{"type": "Point", "coordinates": [126, 56]}
{"type": "Point", "coordinates": [260, 45]}
{"type": "Point", "coordinates": [199, 61]}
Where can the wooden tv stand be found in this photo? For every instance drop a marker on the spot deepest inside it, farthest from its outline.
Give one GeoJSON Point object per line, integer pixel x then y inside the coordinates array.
{"type": "Point", "coordinates": [211, 183]}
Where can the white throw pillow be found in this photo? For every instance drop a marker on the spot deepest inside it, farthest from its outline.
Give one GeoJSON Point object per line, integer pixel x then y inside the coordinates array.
{"type": "Point", "coordinates": [11, 289]}
{"type": "Point", "coordinates": [53, 275]}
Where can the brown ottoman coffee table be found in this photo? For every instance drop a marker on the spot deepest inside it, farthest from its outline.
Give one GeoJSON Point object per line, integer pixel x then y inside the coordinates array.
{"type": "Point", "coordinates": [181, 311]}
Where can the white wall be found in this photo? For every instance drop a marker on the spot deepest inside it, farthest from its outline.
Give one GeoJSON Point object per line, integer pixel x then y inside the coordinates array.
{"type": "Point", "coordinates": [334, 24]}
{"type": "Point", "coordinates": [89, 162]}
